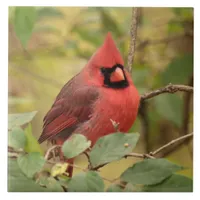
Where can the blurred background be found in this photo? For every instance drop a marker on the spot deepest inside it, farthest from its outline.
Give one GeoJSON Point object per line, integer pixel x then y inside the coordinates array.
{"type": "Point", "coordinates": [64, 38]}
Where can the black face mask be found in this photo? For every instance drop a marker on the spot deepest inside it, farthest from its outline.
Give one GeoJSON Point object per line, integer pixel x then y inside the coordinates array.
{"type": "Point", "coordinates": [107, 74]}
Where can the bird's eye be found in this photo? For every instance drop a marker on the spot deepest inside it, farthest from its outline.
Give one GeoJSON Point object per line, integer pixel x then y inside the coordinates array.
{"type": "Point", "coordinates": [103, 70]}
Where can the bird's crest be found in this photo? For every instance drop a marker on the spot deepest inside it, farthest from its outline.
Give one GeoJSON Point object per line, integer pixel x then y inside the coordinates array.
{"type": "Point", "coordinates": [107, 55]}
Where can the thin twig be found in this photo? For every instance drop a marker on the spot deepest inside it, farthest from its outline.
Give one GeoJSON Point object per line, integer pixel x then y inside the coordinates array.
{"type": "Point", "coordinates": [115, 125]}
{"type": "Point", "coordinates": [172, 148]}
{"type": "Point", "coordinates": [78, 167]}
{"type": "Point", "coordinates": [133, 33]}
{"type": "Point", "coordinates": [167, 89]}
{"type": "Point", "coordinates": [150, 155]}
{"type": "Point", "coordinates": [11, 150]}
{"type": "Point", "coordinates": [170, 143]}
{"type": "Point", "coordinates": [139, 155]}
{"type": "Point", "coordinates": [50, 150]}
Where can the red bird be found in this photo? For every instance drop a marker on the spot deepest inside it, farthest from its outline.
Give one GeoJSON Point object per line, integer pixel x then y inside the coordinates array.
{"type": "Point", "coordinates": [103, 91]}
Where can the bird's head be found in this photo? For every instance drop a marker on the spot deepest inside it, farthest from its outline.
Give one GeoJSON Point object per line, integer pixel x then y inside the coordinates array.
{"type": "Point", "coordinates": [106, 66]}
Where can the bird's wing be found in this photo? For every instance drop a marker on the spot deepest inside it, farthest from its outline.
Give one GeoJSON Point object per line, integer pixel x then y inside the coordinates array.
{"type": "Point", "coordinates": [70, 109]}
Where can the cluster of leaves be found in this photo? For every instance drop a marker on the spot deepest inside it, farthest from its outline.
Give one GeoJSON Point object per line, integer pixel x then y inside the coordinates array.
{"type": "Point", "coordinates": [28, 169]}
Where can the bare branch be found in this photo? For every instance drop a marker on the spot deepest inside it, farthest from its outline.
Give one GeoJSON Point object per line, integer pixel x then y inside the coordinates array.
{"type": "Point", "coordinates": [172, 148]}
{"type": "Point", "coordinates": [144, 120]}
{"type": "Point", "coordinates": [47, 155]}
{"type": "Point", "coordinates": [133, 33]}
{"type": "Point", "coordinates": [170, 143]}
{"type": "Point", "coordinates": [167, 89]}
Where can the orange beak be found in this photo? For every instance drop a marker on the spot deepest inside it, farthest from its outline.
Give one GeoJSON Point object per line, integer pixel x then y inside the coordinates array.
{"type": "Point", "coordinates": [117, 75]}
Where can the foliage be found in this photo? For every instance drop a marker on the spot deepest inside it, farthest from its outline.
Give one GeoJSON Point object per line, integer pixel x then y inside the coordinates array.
{"type": "Point", "coordinates": [77, 142]}
{"type": "Point", "coordinates": [112, 147]}
{"type": "Point", "coordinates": [17, 138]}
{"type": "Point", "coordinates": [86, 182]}
{"type": "Point", "coordinates": [157, 63]}
{"type": "Point", "coordinates": [155, 171]}
{"type": "Point", "coordinates": [24, 23]}
{"type": "Point", "coordinates": [28, 168]}
{"type": "Point", "coordinates": [15, 120]}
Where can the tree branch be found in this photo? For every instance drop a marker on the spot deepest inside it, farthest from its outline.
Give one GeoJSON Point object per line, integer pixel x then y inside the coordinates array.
{"type": "Point", "coordinates": [49, 151]}
{"type": "Point", "coordinates": [170, 144]}
{"type": "Point", "coordinates": [133, 33]}
{"type": "Point", "coordinates": [139, 155]}
{"type": "Point", "coordinates": [172, 148]}
{"type": "Point", "coordinates": [142, 114]}
{"type": "Point", "coordinates": [150, 155]}
{"type": "Point", "coordinates": [167, 89]}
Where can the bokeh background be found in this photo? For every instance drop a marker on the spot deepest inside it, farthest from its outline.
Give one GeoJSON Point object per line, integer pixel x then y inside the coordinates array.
{"type": "Point", "coordinates": [63, 40]}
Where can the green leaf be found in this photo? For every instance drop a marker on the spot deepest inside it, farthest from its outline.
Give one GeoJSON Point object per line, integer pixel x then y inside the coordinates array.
{"type": "Point", "coordinates": [32, 144]}
{"type": "Point", "coordinates": [150, 171]}
{"type": "Point", "coordinates": [169, 107]}
{"type": "Point", "coordinates": [16, 138]}
{"type": "Point", "coordinates": [86, 182]}
{"type": "Point", "coordinates": [30, 163]}
{"type": "Point", "coordinates": [132, 188]}
{"type": "Point", "coordinates": [178, 71]}
{"type": "Point", "coordinates": [53, 185]}
{"type": "Point", "coordinates": [114, 188]}
{"type": "Point", "coordinates": [19, 119]}
{"type": "Point", "coordinates": [47, 12]}
{"type": "Point", "coordinates": [75, 145]}
{"type": "Point", "coordinates": [18, 182]}
{"type": "Point", "coordinates": [175, 183]}
{"type": "Point", "coordinates": [58, 169]}
{"type": "Point", "coordinates": [63, 180]}
{"type": "Point", "coordinates": [24, 21]}
{"type": "Point", "coordinates": [50, 183]}
{"type": "Point", "coordinates": [112, 147]}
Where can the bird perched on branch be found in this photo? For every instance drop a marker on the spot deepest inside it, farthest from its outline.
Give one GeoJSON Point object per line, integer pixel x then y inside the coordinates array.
{"type": "Point", "coordinates": [87, 104]}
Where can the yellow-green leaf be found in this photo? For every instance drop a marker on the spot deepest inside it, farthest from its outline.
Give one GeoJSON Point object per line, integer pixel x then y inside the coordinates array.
{"type": "Point", "coordinates": [58, 169]}
{"type": "Point", "coordinates": [32, 144]}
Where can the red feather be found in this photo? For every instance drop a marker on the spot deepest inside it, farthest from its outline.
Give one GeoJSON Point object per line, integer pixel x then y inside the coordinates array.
{"type": "Point", "coordinates": [69, 110]}
{"type": "Point", "coordinates": [86, 105]}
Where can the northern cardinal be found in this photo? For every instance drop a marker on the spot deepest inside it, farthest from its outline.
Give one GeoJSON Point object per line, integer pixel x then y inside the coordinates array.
{"type": "Point", "coordinates": [103, 91]}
